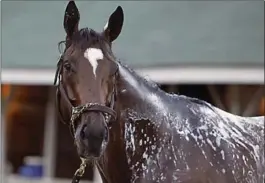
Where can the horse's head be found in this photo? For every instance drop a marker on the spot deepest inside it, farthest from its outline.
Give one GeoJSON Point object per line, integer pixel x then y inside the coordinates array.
{"type": "Point", "coordinates": [88, 71]}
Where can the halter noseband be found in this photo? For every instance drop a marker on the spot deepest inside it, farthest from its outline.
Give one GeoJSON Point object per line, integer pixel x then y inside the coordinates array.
{"type": "Point", "coordinates": [108, 112]}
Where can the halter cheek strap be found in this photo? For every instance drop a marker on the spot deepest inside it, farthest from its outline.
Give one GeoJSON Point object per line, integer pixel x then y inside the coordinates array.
{"type": "Point", "coordinates": [60, 92]}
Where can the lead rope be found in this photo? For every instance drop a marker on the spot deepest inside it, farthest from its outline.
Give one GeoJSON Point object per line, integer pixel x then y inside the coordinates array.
{"type": "Point", "coordinates": [81, 171]}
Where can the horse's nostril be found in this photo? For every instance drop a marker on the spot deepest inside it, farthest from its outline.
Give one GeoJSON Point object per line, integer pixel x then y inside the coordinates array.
{"type": "Point", "coordinates": [83, 132]}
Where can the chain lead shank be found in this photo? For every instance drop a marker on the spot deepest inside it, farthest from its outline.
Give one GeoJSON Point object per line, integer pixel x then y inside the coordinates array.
{"type": "Point", "coordinates": [80, 171]}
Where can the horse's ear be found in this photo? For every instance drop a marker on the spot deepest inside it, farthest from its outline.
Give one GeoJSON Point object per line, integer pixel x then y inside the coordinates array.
{"type": "Point", "coordinates": [71, 19]}
{"type": "Point", "coordinates": [114, 25]}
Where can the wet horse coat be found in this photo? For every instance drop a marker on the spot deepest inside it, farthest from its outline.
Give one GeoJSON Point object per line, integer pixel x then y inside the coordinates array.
{"type": "Point", "coordinates": [167, 138]}
{"type": "Point", "coordinates": [153, 136]}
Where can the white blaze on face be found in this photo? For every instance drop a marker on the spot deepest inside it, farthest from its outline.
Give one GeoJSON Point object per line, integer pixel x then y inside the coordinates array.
{"type": "Point", "coordinates": [93, 55]}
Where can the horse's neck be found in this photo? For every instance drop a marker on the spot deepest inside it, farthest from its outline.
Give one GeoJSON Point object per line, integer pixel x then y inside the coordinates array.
{"type": "Point", "coordinates": [129, 91]}
{"type": "Point", "coordinates": [129, 83]}
{"type": "Point", "coordinates": [140, 100]}
{"type": "Point", "coordinates": [135, 92]}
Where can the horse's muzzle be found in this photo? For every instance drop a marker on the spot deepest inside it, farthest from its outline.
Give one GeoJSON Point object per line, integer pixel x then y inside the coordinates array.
{"type": "Point", "coordinates": [91, 135]}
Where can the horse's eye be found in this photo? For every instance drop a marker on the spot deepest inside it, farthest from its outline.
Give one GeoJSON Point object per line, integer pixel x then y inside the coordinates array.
{"type": "Point", "coordinates": [67, 66]}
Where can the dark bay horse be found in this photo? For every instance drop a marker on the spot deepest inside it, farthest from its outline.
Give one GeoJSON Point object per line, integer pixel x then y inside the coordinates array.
{"type": "Point", "coordinates": [137, 133]}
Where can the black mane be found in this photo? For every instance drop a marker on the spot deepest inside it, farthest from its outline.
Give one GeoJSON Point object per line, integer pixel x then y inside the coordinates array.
{"type": "Point", "coordinates": [156, 88]}
{"type": "Point", "coordinates": [148, 82]}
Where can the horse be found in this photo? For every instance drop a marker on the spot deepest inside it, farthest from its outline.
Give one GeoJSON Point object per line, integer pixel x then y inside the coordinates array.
{"type": "Point", "coordinates": [136, 133]}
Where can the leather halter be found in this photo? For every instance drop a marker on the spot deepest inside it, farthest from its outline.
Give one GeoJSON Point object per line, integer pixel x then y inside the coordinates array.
{"type": "Point", "coordinates": [77, 111]}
